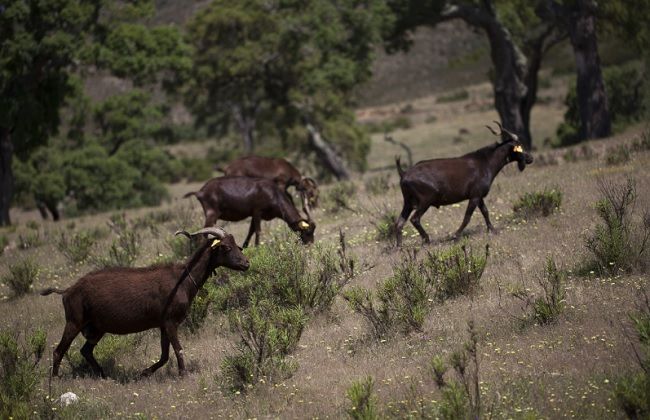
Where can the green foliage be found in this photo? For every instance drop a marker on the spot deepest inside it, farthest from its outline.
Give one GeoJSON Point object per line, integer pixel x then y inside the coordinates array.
{"type": "Point", "coordinates": [124, 249]}
{"type": "Point", "coordinates": [461, 398]}
{"type": "Point", "coordinates": [388, 126]}
{"type": "Point", "coordinates": [20, 374]}
{"type": "Point", "coordinates": [619, 242]}
{"type": "Point", "coordinates": [618, 155]}
{"type": "Point", "coordinates": [547, 307]}
{"type": "Point", "coordinates": [195, 169]}
{"type": "Point", "coordinates": [4, 242]}
{"type": "Point", "coordinates": [378, 185]}
{"type": "Point", "coordinates": [404, 299]}
{"type": "Point", "coordinates": [455, 271]}
{"type": "Point", "coordinates": [384, 224]}
{"type": "Point", "coordinates": [339, 195]}
{"type": "Point", "coordinates": [632, 392]}
{"type": "Point", "coordinates": [77, 246]}
{"type": "Point", "coordinates": [21, 276]}
{"type": "Point", "coordinates": [624, 87]}
{"type": "Point", "coordinates": [364, 403]}
{"type": "Point", "coordinates": [538, 203]}
{"type": "Point", "coordinates": [459, 95]}
{"type": "Point", "coordinates": [268, 332]}
{"type": "Point", "coordinates": [30, 239]}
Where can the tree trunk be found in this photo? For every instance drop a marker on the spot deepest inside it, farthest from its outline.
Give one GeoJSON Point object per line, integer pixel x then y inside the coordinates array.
{"type": "Point", "coordinates": [595, 120]}
{"type": "Point", "coordinates": [246, 125]}
{"type": "Point", "coordinates": [6, 175]}
{"type": "Point", "coordinates": [509, 87]}
{"type": "Point", "coordinates": [509, 64]}
{"type": "Point", "coordinates": [326, 153]}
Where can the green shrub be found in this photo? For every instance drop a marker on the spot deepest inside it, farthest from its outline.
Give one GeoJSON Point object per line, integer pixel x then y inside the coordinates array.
{"type": "Point", "coordinates": [632, 392]}
{"type": "Point", "coordinates": [455, 271]}
{"type": "Point", "coordinates": [387, 126]}
{"type": "Point", "coordinates": [625, 96]}
{"type": "Point", "coordinates": [21, 276]}
{"type": "Point", "coordinates": [538, 203]}
{"type": "Point", "coordinates": [125, 248]}
{"type": "Point", "coordinates": [364, 403]}
{"type": "Point", "coordinates": [618, 155]}
{"type": "Point", "coordinates": [378, 185]}
{"type": "Point", "coordinates": [20, 374]}
{"type": "Point", "coordinates": [76, 247]}
{"type": "Point", "coordinates": [108, 351]}
{"type": "Point", "coordinates": [339, 195]}
{"type": "Point", "coordinates": [30, 239]}
{"type": "Point", "coordinates": [195, 170]}
{"type": "Point", "coordinates": [268, 332]}
{"type": "Point", "coordinates": [547, 307]}
{"type": "Point", "coordinates": [4, 242]}
{"type": "Point", "coordinates": [619, 242]}
{"type": "Point", "coordinates": [384, 224]}
{"type": "Point", "coordinates": [459, 95]}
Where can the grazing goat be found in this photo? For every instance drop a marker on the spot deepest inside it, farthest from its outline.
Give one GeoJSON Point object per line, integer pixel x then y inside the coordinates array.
{"type": "Point", "coordinates": [236, 198]}
{"type": "Point", "coordinates": [129, 300]}
{"type": "Point", "coordinates": [439, 182]}
{"type": "Point", "coordinates": [278, 170]}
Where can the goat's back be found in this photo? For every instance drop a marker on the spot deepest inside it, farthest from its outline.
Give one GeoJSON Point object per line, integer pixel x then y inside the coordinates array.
{"type": "Point", "coordinates": [277, 169]}
{"type": "Point", "coordinates": [124, 300]}
{"type": "Point", "coordinates": [238, 197]}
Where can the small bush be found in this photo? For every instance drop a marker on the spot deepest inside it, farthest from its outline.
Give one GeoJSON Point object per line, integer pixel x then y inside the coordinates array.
{"type": "Point", "coordinates": [643, 142]}
{"type": "Point", "coordinates": [546, 308]}
{"type": "Point", "coordinates": [364, 403]}
{"type": "Point", "coordinates": [538, 203]}
{"type": "Point", "coordinates": [21, 276]}
{"type": "Point", "coordinates": [76, 248]}
{"type": "Point", "coordinates": [384, 223]}
{"type": "Point", "coordinates": [20, 374]}
{"type": "Point", "coordinates": [461, 398]}
{"type": "Point", "coordinates": [455, 271]}
{"type": "Point", "coordinates": [459, 95]}
{"type": "Point", "coordinates": [339, 195]}
{"type": "Point", "coordinates": [378, 184]}
{"type": "Point", "coordinates": [387, 126]}
{"type": "Point", "coordinates": [125, 249]}
{"type": "Point", "coordinates": [618, 155]}
{"type": "Point", "coordinates": [619, 242]}
{"type": "Point", "coordinates": [4, 242]}
{"type": "Point", "coordinates": [632, 392]}
{"type": "Point", "coordinates": [30, 239]}
{"type": "Point", "coordinates": [268, 333]}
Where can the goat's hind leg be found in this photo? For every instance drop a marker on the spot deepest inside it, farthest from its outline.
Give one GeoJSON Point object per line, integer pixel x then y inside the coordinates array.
{"type": "Point", "coordinates": [415, 219]}
{"type": "Point", "coordinates": [164, 355]}
{"type": "Point", "coordinates": [401, 220]}
{"type": "Point", "coordinates": [69, 333]}
{"type": "Point", "coordinates": [92, 337]}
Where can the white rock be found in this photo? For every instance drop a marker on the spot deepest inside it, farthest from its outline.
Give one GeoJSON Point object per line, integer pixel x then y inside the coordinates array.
{"type": "Point", "coordinates": [68, 398]}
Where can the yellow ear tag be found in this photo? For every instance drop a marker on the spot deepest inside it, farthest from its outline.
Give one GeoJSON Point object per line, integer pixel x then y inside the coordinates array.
{"type": "Point", "coordinates": [216, 243]}
{"type": "Point", "coordinates": [303, 225]}
{"type": "Point", "coordinates": [518, 149]}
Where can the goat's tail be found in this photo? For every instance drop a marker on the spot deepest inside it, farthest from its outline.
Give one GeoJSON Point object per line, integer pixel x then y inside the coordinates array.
{"type": "Point", "coordinates": [51, 290]}
{"type": "Point", "coordinates": [190, 194]}
{"type": "Point", "coordinates": [400, 171]}
{"type": "Point", "coordinates": [220, 169]}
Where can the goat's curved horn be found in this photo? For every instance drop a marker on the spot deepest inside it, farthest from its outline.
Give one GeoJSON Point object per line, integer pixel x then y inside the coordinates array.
{"type": "Point", "coordinates": [310, 180]}
{"type": "Point", "coordinates": [492, 130]}
{"type": "Point", "coordinates": [511, 134]}
{"type": "Point", "coordinates": [218, 232]}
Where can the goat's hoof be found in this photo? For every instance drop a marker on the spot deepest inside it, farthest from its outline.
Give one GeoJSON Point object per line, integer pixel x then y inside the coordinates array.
{"type": "Point", "coordinates": [493, 231]}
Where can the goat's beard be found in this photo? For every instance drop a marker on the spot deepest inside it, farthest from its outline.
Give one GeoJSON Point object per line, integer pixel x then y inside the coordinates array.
{"type": "Point", "coordinates": [521, 164]}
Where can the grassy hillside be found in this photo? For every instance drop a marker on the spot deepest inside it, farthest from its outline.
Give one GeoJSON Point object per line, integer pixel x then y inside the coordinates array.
{"type": "Point", "coordinates": [567, 368]}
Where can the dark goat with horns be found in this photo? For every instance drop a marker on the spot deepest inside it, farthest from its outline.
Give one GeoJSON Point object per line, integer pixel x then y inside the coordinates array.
{"type": "Point", "coordinates": [130, 300]}
{"type": "Point", "coordinates": [279, 170]}
{"type": "Point", "coordinates": [440, 182]}
{"type": "Point", "coordinates": [238, 197]}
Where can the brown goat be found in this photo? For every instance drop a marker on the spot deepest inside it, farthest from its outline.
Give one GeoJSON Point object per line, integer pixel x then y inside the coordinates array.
{"type": "Point", "coordinates": [440, 182]}
{"type": "Point", "coordinates": [238, 197]}
{"type": "Point", "coordinates": [278, 170]}
{"type": "Point", "coordinates": [129, 300]}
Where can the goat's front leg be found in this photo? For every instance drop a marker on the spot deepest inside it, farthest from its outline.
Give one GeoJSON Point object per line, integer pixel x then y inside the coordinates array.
{"type": "Point", "coordinates": [471, 206]}
{"type": "Point", "coordinates": [486, 216]}
{"type": "Point", "coordinates": [257, 220]}
{"type": "Point", "coordinates": [164, 355]}
{"type": "Point", "coordinates": [172, 333]}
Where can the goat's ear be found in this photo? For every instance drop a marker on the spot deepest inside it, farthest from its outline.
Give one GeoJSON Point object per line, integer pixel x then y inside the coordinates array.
{"type": "Point", "coordinates": [216, 243]}
{"type": "Point", "coordinates": [303, 225]}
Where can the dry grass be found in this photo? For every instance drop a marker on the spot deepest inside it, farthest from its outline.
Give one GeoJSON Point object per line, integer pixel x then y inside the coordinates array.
{"type": "Point", "coordinates": [564, 369]}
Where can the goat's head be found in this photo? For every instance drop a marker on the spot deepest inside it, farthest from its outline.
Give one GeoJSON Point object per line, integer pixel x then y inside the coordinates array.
{"type": "Point", "coordinates": [517, 152]}
{"type": "Point", "coordinates": [306, 229]}
{"type": "Point", "coordinates": [223, 248]}
{"type": "Point", "coordinates": [309, 187]}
